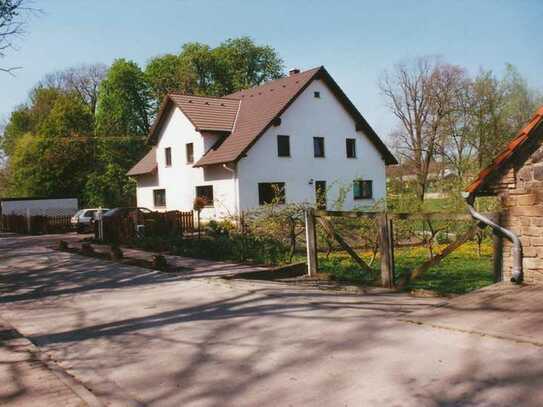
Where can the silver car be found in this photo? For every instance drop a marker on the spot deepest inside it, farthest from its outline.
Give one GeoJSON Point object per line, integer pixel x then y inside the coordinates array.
{"type": "Point", "coordinates": [83, 220]}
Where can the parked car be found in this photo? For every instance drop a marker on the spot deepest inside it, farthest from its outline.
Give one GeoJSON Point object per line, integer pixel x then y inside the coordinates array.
{"type": "Point", "coordinates": [83, 220]}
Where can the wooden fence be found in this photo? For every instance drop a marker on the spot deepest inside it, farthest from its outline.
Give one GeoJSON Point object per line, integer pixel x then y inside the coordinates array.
{"type": "Point", "coordinates": [386, 239]}
{"type": "Point", "coordinates": [35, 225]}
{"type": "Point", "coordinates": [124, 229]}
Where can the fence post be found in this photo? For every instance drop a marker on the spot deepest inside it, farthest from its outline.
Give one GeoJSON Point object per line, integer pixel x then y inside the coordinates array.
{"type": "Point", "coordinates": [497, 252]}
{"type": "Point", "coordinates": [311, 242]}
{"type": "Point", "coordinates": [386, 250]}
{"type": "Point", "coordinates": [99, 218]}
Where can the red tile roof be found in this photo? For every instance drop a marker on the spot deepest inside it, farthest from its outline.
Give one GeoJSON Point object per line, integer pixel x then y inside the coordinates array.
{"type": "Point", "coordinates": [262, 104]}
{"type": "Point", "coordinates": [247, 114]}
{"type": "Point", "coordinates": [208, 113]}
{"type": "Point", "coordinates": [146, 165]}
{"type": "Point", "coordinates": [259, 106]}
{"type": "Point", "coordinates": [505, 156]}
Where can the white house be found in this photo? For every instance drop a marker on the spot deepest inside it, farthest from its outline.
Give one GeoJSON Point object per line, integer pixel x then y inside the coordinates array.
{"type": "Point", "coordinates": [295, 139]}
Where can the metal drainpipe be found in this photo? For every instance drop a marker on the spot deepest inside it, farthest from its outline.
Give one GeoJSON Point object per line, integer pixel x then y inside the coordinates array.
{"type": "Point", "coordinates": [517, 245]}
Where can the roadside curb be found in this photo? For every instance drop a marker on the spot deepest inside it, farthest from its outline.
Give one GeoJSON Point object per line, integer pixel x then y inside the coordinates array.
{"type": "Point", "coordinates": [77, 387]}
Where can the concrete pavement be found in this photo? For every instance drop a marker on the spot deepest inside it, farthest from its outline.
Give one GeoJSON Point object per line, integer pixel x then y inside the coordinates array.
{"type": "Point", "coordinates": [137, 337]}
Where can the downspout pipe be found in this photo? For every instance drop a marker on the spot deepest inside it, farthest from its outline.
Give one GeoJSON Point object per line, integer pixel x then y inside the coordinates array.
{"type": "Point", "coordinates": [517, 274]}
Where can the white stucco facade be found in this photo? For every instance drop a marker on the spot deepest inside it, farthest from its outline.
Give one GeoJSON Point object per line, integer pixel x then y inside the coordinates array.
{"type": "Point", "coordinates": [181, 178]}
{"type": "Point", "coordinates": [307, 117]}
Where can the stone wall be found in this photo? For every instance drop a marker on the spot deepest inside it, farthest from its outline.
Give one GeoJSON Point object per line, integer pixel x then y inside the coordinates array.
{"type": "Point", "coordinates": [520, 190]}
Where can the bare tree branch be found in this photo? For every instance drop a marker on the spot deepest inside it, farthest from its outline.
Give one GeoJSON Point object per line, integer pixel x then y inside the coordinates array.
{"type": "Point", "coordinates": [14, 15]}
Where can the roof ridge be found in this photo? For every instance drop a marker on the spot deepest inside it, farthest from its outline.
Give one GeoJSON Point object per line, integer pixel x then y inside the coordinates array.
{"type": "Point", "coordinates": [201, 96]}
{"type": "Point", "coordinates": [286, 77]}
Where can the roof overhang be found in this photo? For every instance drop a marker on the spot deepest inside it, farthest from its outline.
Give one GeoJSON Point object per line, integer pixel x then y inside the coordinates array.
{"type": "Point", "coordinates": [532, 131]}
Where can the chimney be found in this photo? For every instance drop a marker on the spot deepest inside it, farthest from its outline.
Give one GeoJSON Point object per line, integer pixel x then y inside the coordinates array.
{"type": "Point", "coordinates": [293, 71]}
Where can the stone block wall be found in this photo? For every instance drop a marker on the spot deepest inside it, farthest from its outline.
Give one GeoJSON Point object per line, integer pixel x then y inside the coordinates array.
{"type": "Point", "coordinates": [520, 190]}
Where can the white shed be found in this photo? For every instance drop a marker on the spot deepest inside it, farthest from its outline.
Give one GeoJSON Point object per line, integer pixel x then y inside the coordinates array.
{"type": "Point", "coordinates": [39, 206]}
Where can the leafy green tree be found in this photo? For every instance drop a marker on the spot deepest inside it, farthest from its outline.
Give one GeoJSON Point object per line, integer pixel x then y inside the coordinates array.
{"type": "Point", "coordinates": [163, 75]}
{"type": "Point", "coordinates": [122, 124]}
{"type": "Point", "coordinates": [201, 70]}
{"type": "Point", "coordinates": [56, 158]}
{"type": "Point", "coordinates": [124, 101]}
{"type": "Point", "coordinates": [243, 64]}
{"type": "Point", "coordinates": [29, 117]}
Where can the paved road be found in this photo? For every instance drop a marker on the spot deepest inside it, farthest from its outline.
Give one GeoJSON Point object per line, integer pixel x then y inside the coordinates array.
{"type": "Point", "coordinates": [142, 338]}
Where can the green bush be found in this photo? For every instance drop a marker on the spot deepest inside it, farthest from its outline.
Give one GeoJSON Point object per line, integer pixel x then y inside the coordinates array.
{"type": "Point", "coordinates": [236, 247]}
{"type": "Point", "coordinates": [221, 228]}
{"type": "Point", "coordinates": [233, 247]}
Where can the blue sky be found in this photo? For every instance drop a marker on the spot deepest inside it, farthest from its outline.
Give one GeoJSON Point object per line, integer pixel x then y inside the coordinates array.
{"type": "Point", "coordinates": [354, 40]}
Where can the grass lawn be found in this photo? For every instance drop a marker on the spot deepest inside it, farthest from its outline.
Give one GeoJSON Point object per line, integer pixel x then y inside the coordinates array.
{"type": "Point", "coordinates": [460, 272]}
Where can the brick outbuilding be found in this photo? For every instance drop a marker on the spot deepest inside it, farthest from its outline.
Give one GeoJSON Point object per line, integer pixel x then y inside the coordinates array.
{"type": "Point", "coordinates": [516, 177]}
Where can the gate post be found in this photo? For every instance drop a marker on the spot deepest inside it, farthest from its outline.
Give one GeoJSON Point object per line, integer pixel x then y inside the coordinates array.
{"type": "Point", "coordinates": [311, 242]}
{"type": "Point", "coordinates": [386, 250]}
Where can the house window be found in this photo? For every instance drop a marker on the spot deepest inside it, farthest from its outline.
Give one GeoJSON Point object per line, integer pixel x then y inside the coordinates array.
{"type": "Point", "coordinates": [363, 189]}
{"type": "Point", "coordinates": [189, 148]}
{"type": "Point", "coordinates": [318, 146]}
{"type": "Point", "coordinates": [317, 94]}
{"type": "Point", "coordinates": [206, 192]}
{"type": "Point", "coordinates": [168, 156]}
{"type": "Point", "coordinates": [283, 146]}
{"type": "Point", "coordinates": [351, 147]}
{"type": "Point", "coordinates": [159, 197]}
{"type": "Point", "coordinates": [271, 193]}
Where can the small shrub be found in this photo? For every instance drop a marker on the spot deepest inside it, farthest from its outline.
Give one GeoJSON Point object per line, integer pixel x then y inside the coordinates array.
{"type": "Point", "coordinates": [159, 262]}
{"type": "Point", "coordinates": [222, 228]}
{"type": "Point", "coordinates": [63, 245]}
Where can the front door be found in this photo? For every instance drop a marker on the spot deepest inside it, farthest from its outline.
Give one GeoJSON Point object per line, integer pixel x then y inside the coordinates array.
{"type": "Point", "coordinates": [320, 194]}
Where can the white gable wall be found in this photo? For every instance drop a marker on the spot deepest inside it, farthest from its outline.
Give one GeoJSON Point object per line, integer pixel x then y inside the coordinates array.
{"type": "Point", "coordinates": [180, 179]}
{"type": "Point", "coordinates": [306, 118]}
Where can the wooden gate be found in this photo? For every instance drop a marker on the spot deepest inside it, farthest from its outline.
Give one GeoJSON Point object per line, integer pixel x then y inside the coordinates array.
{"type": "Point", "coordinates": [385, 230]}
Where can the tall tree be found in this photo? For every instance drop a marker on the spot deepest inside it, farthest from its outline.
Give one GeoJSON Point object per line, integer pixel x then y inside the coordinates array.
{"type": "Point", "coordinates": [489, 124]}
{"type": "Point", "coordinates": [122, 124]}
{"type": "Point", "coordinates": [84, 80]}
{"type": "Point", "coordinates": [29, 117]}
{"type": "Point", "coordinates": [244, 64]}
{"type": "Point", "coordinates": [54, 159]}
{"type": "Point", "coordinates": [199, 69]}
{"type": "Point", "coordinates": [419, 94]}
{"type": "Point", "coordinates": [163, 74]}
